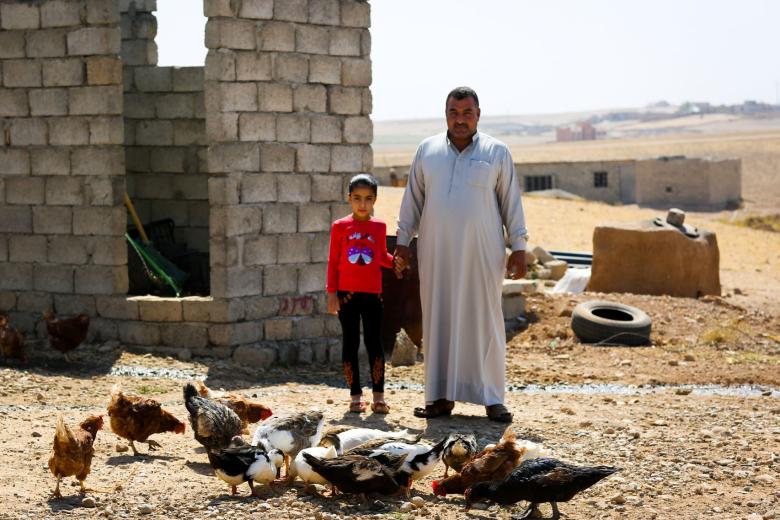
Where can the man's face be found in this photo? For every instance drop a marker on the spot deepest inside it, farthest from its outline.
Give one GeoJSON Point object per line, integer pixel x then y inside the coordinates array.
{"type": "Point", "coordinates": [462, 117]}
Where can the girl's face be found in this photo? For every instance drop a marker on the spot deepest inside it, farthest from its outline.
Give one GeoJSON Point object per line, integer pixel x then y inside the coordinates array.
{"type": "Point", "coordinates": [362, 201]}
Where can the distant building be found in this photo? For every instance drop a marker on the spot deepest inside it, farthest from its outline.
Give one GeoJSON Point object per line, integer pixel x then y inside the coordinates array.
{"type": "Point", "coordinates": [582, 131]}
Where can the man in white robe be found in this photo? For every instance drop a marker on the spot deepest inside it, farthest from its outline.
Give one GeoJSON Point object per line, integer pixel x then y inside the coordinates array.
{"type": "Point", "coordinates": [462, 190]}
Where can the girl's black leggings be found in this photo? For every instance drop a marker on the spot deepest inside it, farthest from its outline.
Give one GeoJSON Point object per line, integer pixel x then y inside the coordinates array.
{"type": "Point", "coordinates": [355, 306]}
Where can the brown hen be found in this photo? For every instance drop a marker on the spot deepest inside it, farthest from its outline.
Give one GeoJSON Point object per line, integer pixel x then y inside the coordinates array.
{"type": "Point", "coordinates": [11, 341]}
{"type": "Point", "coordinates": [247, 411]}
{"type": "Point", "coordinates": [72, 451]}
{"type": "Point", "coordinates": [66, 334]}
{"type": "Point", "coordinates": [136, 418]}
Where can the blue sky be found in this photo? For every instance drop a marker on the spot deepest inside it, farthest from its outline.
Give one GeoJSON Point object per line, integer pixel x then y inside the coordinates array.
{"type": "Point", "coordinates": [532, 56]}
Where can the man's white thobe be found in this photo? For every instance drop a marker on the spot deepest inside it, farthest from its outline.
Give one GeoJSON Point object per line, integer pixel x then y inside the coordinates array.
{"type": "Point", "coordinates": [457, 203]}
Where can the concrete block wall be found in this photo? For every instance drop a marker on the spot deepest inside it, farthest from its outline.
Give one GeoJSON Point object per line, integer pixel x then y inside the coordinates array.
{"type": "Point", "coordinates": [61, 158]}
{"type": "Point", "coordinates": [165, 131]}
{"type": "Point", "coordinates": [287, 121]}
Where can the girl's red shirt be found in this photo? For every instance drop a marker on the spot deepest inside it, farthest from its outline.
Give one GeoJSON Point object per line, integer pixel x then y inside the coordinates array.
{"type": "Point", "coordinates": [358, 251]}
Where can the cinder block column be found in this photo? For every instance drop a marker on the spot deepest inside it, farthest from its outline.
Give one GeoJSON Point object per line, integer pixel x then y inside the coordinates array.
{"type": "Point", "coordinates": [61, 157]}
{"type": "Point", "coordinates": [287, 119]}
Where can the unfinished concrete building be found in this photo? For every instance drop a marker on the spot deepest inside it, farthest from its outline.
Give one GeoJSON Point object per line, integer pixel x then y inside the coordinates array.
{"type": "Point", "coordinates": [248, 155]}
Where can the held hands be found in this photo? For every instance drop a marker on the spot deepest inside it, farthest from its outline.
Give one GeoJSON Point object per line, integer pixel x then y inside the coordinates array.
{"type": "Point", "coordinates": [515, 265]}
{"type": "Point", "coordinates": [401, 260]}
{"type": "Point", "coordinates": [333, 303]}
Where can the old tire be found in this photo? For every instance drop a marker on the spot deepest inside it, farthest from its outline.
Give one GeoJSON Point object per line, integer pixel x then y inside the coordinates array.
{"type": "Point", "coordinates": [610, 323]}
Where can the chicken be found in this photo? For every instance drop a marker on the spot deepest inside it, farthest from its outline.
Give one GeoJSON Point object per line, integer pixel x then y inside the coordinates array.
{"type": "Point", "coordinates": [537, 481]}
{"type": "Point", "coordinates": [493, 463]}
{"type": "Point", "coordinates": [66, 334]}
{"type": "Point", "coordinates": [72, 451]}
{"type": "Point", "coordinates": [213, 424]}
{"type": "Point", "coordinates": [458, 450]}
{"type": "Point", "coordinates": [11, 341]}
{"type": "Point", "coordinates": [346, 438]}
{"type": "Point", "coordinates": [136, 418]}
{"type": "Point", "coordinates": [360, 474]}
{"type": "Point", "coordinates": [290, 434]}
{"type": "Point", "coordinates": [247, 411]}
{"type": "Point", "coordinates": [241, 462]}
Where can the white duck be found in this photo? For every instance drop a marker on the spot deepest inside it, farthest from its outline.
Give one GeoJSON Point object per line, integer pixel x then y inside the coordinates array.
{"type": "Point", "coordinates": [301, 469]}
{"type": "Point", "coordinates": [421, 458]}
{"type": "Point", "coordinates": [344, 439]}
{"type": "Point", "coordinates": [290, 434]}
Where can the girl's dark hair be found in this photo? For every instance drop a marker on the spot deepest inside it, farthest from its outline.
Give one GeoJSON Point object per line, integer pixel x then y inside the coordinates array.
{"type": "Point", "coordinates": [365, 180]}
{"type": "Point", "coordinates": [460, 93]}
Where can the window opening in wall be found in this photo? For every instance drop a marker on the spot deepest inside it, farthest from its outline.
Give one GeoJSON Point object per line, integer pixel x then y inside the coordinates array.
{"type": "Point", "coordinates": [599, 179]}
{"type": "Point", "coordinates": [163, 53]}
{"type": "Point", "coordinates": [538, 182]}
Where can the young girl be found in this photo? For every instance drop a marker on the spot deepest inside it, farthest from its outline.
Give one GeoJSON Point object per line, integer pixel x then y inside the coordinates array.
{"type": "Point", "coordinates": [358, 252]}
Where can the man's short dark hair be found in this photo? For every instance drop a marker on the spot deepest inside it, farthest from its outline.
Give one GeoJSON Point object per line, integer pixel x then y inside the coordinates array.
{"type": "Point", "coordinates": [364, 180]}
{"type": "Point", "coordinates": [462, 93]}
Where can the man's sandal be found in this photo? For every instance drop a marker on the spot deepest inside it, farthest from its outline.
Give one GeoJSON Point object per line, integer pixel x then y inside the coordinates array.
{"type": "Point", "coordinates": [357, 406]}
{"type": "Point", "coordinates": [439, 408]}
{"type": "Point", "coordinates": [380, 407]}
{"type": "Point", "coordinates": [498, 413]}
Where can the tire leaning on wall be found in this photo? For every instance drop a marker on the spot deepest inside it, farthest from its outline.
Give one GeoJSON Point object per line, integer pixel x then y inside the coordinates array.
{"type": "Point", "coordinates": [610, 323]}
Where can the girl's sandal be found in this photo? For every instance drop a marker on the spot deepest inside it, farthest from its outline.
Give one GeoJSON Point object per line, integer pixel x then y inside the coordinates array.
{"type": "Point", "coordinates": [380, 407]}
{"type": "Point", "coordinates": [357, 406]}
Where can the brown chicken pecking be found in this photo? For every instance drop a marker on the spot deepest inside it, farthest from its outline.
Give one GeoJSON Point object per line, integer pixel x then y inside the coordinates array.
{"type": "Point", "coordinates": [136, 418]}
{"type": "Point", "coordinates": [493, 463]}
{"type": "Point", "coordinates": [66, 334]}
{"type": "Point", "coordinates": [247, 411]}
{"type": "Point", "coordinates": [72, 451]}
{"type": "Point", "coordinates": [11, 341]}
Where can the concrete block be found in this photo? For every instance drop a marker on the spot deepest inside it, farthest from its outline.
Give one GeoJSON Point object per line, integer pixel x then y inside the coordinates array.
{"type": "Point", "coordinates": [220, 65]}
{"type": "Point", "coordinates": [24, 190]}
{"type": "Point", "coordinates": [294, 188]}
{"type": "Point", "coordinates": [257, 9]}
{"type": "Point", "coordinates": [254, 356]}
{"type": "Point", "coordinates": [96, 100]}
{"type": "Point", "coordinates": [257, 127]}
{"type": "Point", "coordinates": [189, 132]}
{"type": "Point", "coordinates": [320, 246]}
{"type": "Point", "coordinates": [34, 302]}
{"type": "Point", "coordinates": [258, 188]}
{"type": "Point", "coordinates": [108, 160]}
{"type": "Point", "coordinates": [326, 129]}
{"type": "Point", "coordinates": [308, 327]}
{"type": "Point", "coordinates": [345, 42]}
{"type": "Point", "coordinates": [294, 248]}
{"type": "Point", "coordinates": [280, 279]}
{"type": "Point", "coordinates": [232, 282]}
{"type": "Point", "coordinates": [94, 40]}
{"type": "Point", "coordinates": [224, 190]}
{"type": "Point", "coordinates": [136, 53]}
{"type": "Point", "coordinates": [262, 250]}
{"type": "Point", "coordinates": [102, 12]}
{"type": "Point", "coordinates": [325, 12]}
{"type": "Point", "coordinates": [104, 70]}
{"type": "Point", "coordinates": [14, 161]}
{"type": "Point", "coordinates": [19, 15]}
{"type": "Point", "coordinates": [275, 97]}
{"type": "Point", "coordinates": [67, 250]}
{"type": "Point", "coordinates": [358, 130]}
{"type": "Point", "coordinates": [117, 307]}
{"type": "Point", "coordinates": [237, 97]}
{"type": "Point", "coordinates": [175, 106]}
{"type": "Point", "coordinates": [68, 131]}
{"type": "Point", "coordinates": [106, 130]}
{"type": "Point", "coordinates": [314, 217]}
{"type": "Point", "coordinates": [346, 101]}
{"type": "Point", "coordinates": [45, 220]}
{"type": "Point", "coordinates": [187, 79]}
{"type": "Point", "coordinates": [291, 67]}
{"type": "Point", "coordinates": [277, 157]}
{"type": "Point", "coordinates": [153, 79]}
{"type": "Point", "coordinates": [223, 252]}
{"type": "Point", "coordinates": [293, 128]}
{"type": "Point", "coordinates": [367, 102]}
{"type": "Point", "coordinates": [276, 36]}
{"type": "Point", "coordinates": [347, 159]}
{"type": "Point", "coordinates": [310, 98]}
{"type": "Point", "coordinates": [260, 307]}
{"type": "Point", "coordinates": [192, 335]}
{"type": "Point", "coordinates": [223, 126]}
{"type": "Point", "coordinates": [13, 102]}
{"type": "Point", "coordinates": [109, 221]}
{"type": "Point", "coordinates": [167, 160]}
{"type": "Point", "coordinates": [93, 279]}
{"type": "Point", "coordinates": [279, 329]}
{"type": "Point", "coordinates": [12, 44]}
{"type": "Point", "coordinates": [154, 133]}
{"type": "Point", "coordinates": [280, 218]}
{"type": "Point", "coordinates": [227, 221]}
{"type": "Point", "coordinates": [139, 333]}
{"type": "Point", "coordinates": [230, 33]}
{"type": "Point", "coordinates": [233, 157]}
{"type": "Point", "coordinates": [48, 102]}
{"type": "Point", "coordinates": [16, 277]}
{"type": "Point", "coordinates": [234, 333]}
{"type": "Point", "coordinates": [26, 132]}
{"type": "Point", "coordinates": [51, 161]}
{"type": "Point", "coordinates": [52, 278]}
{"type": "Point", "coordinates": [64, 191]}
{"type": "Point", "coordinates": [312, 39]}
{"type": "Point", "coordinates": [313, 158]}
{"type": "Point", "coordinates": [46, 43]}
{"type": "Point", "coordinates": [7, 300]}
{"type": "Point", "coordinates": [22, 73]}
{"type": "Point", "coordinates": [292, 10]}
{"type": "Point", "coordinates": [153, 308]}
{"type": "Point", "coordinates": [139, 105]}
{"type": "Point", "coordinates": [355, 13]}
{"type": "Point", "coordinates": [214, 310]}
{"type": "Point", "coordinates": [27, 248]}
{"type": "Point", "coordinates": [356, 72]}
{"type": "Point", "coordinates": [365, 43]}
{"type": "Point", "coordinates": [253, 66]}
{"type": "Point", "coordinates": [71, 305]}
{"type": "Point", "coordinates": [325, 69]}
{"type": "Point", "coordinates": [63, 72]}
{"type": "Point", "coordinates": [214, 8]}
{"type": "Point", "coordinates": [60, 13]}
